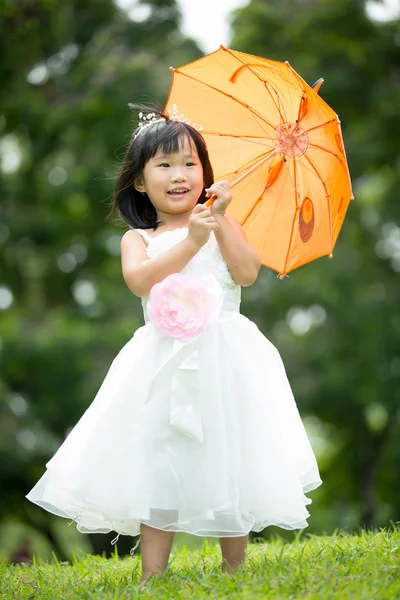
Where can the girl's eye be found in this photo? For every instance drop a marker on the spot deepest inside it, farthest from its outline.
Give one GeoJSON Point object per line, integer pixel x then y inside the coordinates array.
{"type": "Point", "coordinates": [190, 164]}
{"type": "Point", "coordinates": [164, 165]}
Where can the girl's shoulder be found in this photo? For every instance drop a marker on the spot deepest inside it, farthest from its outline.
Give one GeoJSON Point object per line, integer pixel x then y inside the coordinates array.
{"type": "Point", "coordinates": [132, 238]}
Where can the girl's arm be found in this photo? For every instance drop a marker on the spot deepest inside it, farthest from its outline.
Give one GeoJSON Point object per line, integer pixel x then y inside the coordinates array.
{"type": "Point", "coordinates": [242, 260]}
{"type": "Point", "coordinates": [141, 272]}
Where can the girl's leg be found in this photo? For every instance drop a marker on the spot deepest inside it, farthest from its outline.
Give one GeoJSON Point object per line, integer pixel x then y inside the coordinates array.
{"type": "Point", "coordinates": [155, 546]}
{"type": "Point", "coordinates": [233, 552]}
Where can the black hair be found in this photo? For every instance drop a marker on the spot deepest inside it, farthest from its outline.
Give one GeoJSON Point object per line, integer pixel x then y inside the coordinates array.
{"type": "Point", "coordinates": [165, 135]}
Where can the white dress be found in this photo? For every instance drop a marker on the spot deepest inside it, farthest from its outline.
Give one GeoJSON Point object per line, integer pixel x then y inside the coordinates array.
{"type": "Point", "coordinates": [202, 436]}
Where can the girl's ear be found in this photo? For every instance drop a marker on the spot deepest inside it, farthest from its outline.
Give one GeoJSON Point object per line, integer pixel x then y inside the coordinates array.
{"type": "Point", "coordinates": [138, 184]}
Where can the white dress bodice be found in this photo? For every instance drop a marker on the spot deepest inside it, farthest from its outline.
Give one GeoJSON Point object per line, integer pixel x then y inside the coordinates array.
{"type": "Point", "coordinates": [208, 260]}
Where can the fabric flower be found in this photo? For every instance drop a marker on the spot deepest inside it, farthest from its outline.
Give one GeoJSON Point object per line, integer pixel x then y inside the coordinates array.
{"type": "Point", "coordinates": [181, 306]}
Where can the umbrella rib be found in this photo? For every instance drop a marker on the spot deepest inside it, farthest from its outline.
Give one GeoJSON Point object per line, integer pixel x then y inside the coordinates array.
{"type": "Point", "coordinates": [295, 215]}
{"type": "Point", "coordinates": [295, 183]}
{"type": "Point", "coordinates": [329, 152]}
{"type": "Point", "coordinates": [253, 111]}
{"type": "Point", "coordinates": [268, 86]}
{"type": "Point", "coordinates": [311, 171]}
{"type": "Point", "coordinates": [295, 179]}
{"type": "Point", "coordinates": [342, 162]}
{"type": "Point", "coordinates": [257, 162]}
{"type": "Point", "coordinates": [328, 197]}
{"type": "Point", "coordinates": [278, 105]}
{"type": "Point", "coordinates": [260, 78]}
{"type": "Point", "coordinates": [248, 173]}
{"type": "Point", "coordinates": [320, 125]}
{"type": "Point", "coordinates": [260, 162]}
{"type": "Point", "coordinates": [266, 134]}
{"type": "Point", "coordinates": [249, 138]}
{"type": "Point", "coordinates": [301, 81]}
{"type": "Point", "coordinates": [256, 137]}
{"type": "Point", "coordinates": [297, 196]}
{"type": "Point", "coordinates": [290, 242]}
{"type": "Point", "coordinates": [251, 166]}
{"type": "Point", "coordinates": [259, 159]}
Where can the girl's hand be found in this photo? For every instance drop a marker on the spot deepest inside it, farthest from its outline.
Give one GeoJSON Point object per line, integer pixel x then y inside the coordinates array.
{"type": "Point", "coordinates": [222, 191]}
{"type": "Point", "coordinates": [201, 223]}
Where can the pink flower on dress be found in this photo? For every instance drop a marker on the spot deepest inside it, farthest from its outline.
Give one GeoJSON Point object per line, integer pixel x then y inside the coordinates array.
{"type": "Point", "coordinates": [180, 306]}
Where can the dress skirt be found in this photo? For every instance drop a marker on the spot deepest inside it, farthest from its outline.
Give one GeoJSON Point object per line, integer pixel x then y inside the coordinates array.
{"type": "Point", "coordinates": [202, 437]}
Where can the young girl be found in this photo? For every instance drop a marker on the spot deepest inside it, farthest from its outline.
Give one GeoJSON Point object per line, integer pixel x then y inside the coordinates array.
{"type": "Point", "coordinates": [195, 427]}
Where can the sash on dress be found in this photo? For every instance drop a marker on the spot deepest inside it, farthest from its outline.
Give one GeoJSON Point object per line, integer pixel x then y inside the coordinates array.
{"type": "Point", "coordinates": [193, 374]}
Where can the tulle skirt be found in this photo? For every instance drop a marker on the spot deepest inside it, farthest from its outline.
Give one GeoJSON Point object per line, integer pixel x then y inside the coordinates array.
{"type": "Point", "coordinates": [202, 437]}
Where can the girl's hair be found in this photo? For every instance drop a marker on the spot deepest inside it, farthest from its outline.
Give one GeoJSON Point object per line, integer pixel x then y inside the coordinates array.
{"type": "Point", "coordinates": [166, 135]}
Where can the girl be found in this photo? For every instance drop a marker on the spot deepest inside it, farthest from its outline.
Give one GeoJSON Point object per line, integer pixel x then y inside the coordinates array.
{"type": "Point", "coordinates": [195, 427]}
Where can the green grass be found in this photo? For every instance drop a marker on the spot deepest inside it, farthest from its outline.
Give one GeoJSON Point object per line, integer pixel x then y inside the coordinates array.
{"type": "Point", "coordinates": [341, 566]}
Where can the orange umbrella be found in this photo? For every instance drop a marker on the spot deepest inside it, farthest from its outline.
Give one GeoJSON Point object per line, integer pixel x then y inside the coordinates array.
{"type": "Point", "coordinates": [279, 145]}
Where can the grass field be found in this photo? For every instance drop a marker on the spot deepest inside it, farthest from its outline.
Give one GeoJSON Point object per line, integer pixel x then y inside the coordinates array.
{"type": "Point", "coordinates": [340, 567]}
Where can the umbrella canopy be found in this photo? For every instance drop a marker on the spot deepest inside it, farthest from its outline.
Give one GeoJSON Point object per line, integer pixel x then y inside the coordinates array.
{"type": "Point", "coordinates": [279, 145]}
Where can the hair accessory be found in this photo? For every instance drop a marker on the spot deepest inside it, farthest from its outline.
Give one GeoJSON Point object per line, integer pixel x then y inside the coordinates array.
{"type": "Point", "coordinates": [148, 119]}
{"type": "Point", "coordinates": [173, 114]}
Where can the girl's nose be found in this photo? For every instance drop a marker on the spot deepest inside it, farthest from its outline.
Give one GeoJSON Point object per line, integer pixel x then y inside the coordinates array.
{"type": "Point", "coordinates": [177, 175]}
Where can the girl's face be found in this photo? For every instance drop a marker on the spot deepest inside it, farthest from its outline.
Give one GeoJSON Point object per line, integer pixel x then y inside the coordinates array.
{"type": "Point", "coordinates": [173, 182]}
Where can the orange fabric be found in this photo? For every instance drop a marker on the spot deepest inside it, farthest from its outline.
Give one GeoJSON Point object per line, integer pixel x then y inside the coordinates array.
{"type": "Point", "coordinates": [279, 145]}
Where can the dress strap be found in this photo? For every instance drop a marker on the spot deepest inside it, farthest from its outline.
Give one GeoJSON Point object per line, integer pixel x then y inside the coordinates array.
{"type": "Point", "coordinates": [144, 234]}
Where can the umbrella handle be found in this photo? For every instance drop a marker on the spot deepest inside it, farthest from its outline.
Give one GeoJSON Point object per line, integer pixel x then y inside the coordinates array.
{"type": "Point", "coordinates": [210, 200]}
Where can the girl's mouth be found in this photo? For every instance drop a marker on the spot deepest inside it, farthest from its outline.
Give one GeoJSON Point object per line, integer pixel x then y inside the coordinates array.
{"type": "Point", "coordinates": [178, 192]}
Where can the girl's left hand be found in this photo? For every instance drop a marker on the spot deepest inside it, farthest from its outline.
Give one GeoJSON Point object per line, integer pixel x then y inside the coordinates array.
{"type": "Point", "coordinates": [222, 191]}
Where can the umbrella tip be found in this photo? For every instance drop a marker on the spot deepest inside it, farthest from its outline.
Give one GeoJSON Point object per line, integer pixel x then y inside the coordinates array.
{"type": "Point", "coordinates": [331, 255]}
{"type": "Point", "coordinates": [352, 197]}
{"type": "Point", "coordinates": [222, 46]}
{"type": "Point", "coordinates": [171, 69]}
{"type": "Point", "coordinates": [287, 63]}
{"type": "Point", "coordinates": [317, 85]}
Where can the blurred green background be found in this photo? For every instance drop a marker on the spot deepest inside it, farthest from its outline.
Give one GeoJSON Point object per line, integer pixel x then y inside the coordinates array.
{"type": "Point", "coordinates": [67, 72]}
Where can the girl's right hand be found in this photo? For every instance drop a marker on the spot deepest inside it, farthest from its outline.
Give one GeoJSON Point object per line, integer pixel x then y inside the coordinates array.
{"type": "Point", "coordinates": [201, 223]}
